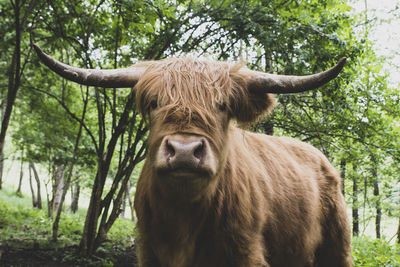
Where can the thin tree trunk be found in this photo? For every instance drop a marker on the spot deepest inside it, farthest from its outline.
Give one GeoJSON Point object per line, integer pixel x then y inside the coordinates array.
{"type": "Point", "coordinates": [398, 232]}
{"type": "Point", "coordinates": [378, 215]}
{"type": "Point", "coordinates": [124, 200]}
{"type": "Point", "coordinates": [343, 173]}
{"type": "Point", "coordinates": [269, 124]}
{"type": "Point", "coordinates": [131, 206]}
{"type": "Point", "coordinates": [31, 186]}
{"type": "Point", "coordinates": [356, 226]}
{"type": "Point", "coordinates": [58, 187]}
{"type": "Point", "coordinates": [21, 175]}
{"type": "Point", "coordinates": [75, 190]}
{"type": "Point", "coordinates": [36, 175]}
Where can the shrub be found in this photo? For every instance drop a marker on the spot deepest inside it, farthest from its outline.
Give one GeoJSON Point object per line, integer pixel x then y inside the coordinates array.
{"type": "Point", "coordinates": [369, 252]}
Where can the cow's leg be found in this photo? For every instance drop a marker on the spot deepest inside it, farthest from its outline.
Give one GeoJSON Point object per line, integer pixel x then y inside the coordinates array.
{"type": "Point", "coordinates": [335, 250]}
{"type": "Point", "coordinates": [250, 253]}
{"type": "Point", "coordinates": [145, 255]}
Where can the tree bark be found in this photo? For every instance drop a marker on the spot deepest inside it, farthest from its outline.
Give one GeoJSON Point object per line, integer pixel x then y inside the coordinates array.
{"type": "Point", "coordinates": [124, 201]}
{"type": "Point", "coordinates": [58, 188]}
{"type": "Point", "coordinates": [130, 201]}
{"type": "Point", "coordinates": [36, 176]}
{"type": "Point", "coordinates": [21, 175]}
{"type": "Point", "coordinates": [378, 214]}
{"type": "Point", "coordinates": [398, 232]}
{"type": "Point", "coordinates": [268, 125]}
{"type": "Point", "coordinates": [356, 226]}
{"type": "Point", "coordinates": [343, 173]}
{"type": "Point", "coordinates": [31, 186]}
{"type": "Point", "coordinates": [75, 191]}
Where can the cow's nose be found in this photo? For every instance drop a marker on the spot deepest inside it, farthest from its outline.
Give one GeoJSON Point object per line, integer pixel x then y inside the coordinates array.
{"type": "Point", "coordinates": [184, 152]}
{"type": "Point", "coordinates": [185, 155]}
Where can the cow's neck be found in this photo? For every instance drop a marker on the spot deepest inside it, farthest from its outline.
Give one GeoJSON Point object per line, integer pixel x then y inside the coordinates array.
{"type": "Point", "coordinates": [171, 207]}
{"type": "Point", "coordinates": [178, 224]}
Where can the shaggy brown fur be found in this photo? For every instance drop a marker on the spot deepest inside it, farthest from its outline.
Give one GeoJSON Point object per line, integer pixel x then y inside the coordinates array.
{"type": "Point", "coordinates": [272, 201]}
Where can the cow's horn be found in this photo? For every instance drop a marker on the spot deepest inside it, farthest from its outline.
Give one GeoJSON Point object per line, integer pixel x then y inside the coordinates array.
{"type": "Point", "coordinates": [283, 84]}
{"type": "Point", "coordinates": [118, 78]}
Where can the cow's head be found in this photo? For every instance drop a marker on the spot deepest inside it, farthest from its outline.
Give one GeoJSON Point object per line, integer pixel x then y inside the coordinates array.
{"type": "Point", "coordinates": [189, 104]}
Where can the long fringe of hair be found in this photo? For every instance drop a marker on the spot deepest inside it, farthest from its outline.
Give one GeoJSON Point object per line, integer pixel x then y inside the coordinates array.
{"type": "Point", "coordinates": [193, 87]}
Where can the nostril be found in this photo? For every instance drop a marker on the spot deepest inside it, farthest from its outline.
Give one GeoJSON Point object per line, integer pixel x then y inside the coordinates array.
{"type": "Point", "coordinates": [170, 151]}
{"type": "Point", "coordinates": [199, 151]}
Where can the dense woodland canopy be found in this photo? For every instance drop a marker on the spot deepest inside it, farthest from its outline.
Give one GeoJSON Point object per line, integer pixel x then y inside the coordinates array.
{"type": "Point", "coordinates": [69, 138]}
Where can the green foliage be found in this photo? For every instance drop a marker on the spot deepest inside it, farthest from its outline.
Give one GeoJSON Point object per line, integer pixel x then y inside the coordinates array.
{"type": "Point", "coordinates": [369, 252]}
{"type": "Point", "coordinates": [122, 233]}
{"type": "Point", "coordinates": [23, 227]}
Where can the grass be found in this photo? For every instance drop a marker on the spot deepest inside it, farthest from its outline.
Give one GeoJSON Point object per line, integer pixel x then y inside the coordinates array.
{"type": "Point", "coordinates": [27, 231]}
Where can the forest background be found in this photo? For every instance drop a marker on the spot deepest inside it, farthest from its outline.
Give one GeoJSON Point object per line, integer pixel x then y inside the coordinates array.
{"type": "Point", "coordinates": [70, 155]}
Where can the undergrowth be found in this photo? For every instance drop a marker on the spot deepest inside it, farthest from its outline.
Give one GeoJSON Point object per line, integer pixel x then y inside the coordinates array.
{"type": "Point", "coordinates": [368, 252]}
{"type": "Point", "coordinates": [24, 229]}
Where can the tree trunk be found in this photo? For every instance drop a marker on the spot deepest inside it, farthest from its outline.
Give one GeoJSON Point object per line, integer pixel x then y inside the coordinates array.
{"type": "Point", "coordinates": [87, 246]}
{"type": "Point", "coordinates": [58, 206]}
{"type": "Point", "coordinates": [268, 125]}
{"type": "Point", "coordinates": [356, 226]}
{"type": "Point", "coordinates": [58, 188]}
{"type": "Point", "coordinates": [378, 215]}
{"type": "Point", "coordinates": [75, 191]}
{"type": "Point", "coordinates": [36, 175]}
{"type": "Point", "coordinates": [398, 232]}
{"type": "Point", "coordinates": [131, 206]}
{"type": "Point", "coordinates": [124, 200]}
{"type": "Point", "coordinates": [31, 186]}
{"type": "Point", "coordinates": [343, 173]}
{"type": "Point", "coordinates": [21, 175]}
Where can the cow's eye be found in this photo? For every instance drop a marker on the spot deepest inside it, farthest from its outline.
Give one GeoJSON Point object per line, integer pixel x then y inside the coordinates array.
{"type": "Point", "coordinates": [153, 104]}
{"type": "Point", "coordinates": [222, 106]}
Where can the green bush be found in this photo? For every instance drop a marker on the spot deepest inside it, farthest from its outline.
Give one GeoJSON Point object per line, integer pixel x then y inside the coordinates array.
{"type": "Point", "coordinates": [19, 222]}
{"type": "Point", "coordinates": [24, 228]}
{"type": "Point", "coordinates": [369, 252]}
{"type": "Point", "coordinates": [122, 232]}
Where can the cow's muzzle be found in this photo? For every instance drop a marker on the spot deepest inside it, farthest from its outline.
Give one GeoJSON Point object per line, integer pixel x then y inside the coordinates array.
{"type": "Point", "coordinates": [185, 156]}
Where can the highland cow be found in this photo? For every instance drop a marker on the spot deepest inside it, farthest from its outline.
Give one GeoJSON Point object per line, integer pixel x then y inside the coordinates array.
{"type": "Point", "coordinates": [212, 194]}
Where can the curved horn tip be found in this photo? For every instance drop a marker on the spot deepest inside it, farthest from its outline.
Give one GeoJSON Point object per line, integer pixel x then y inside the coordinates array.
{"type": "Point", "coordinates": [39, 50]}
{"type": "Point", "coordinates": [36, 47]}
{"type": "Point", "coordinates": [342, 61]}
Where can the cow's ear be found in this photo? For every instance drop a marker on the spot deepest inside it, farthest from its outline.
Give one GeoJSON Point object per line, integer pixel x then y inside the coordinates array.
{"type": "Point", "coordinates": [247, 106]}
{"type": "Point", "coordinates": [253, 106]}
